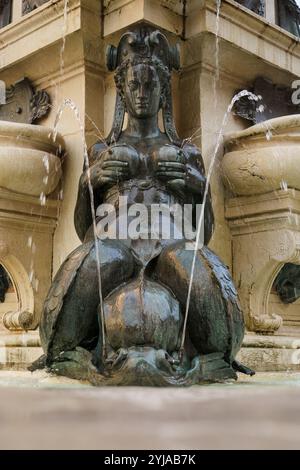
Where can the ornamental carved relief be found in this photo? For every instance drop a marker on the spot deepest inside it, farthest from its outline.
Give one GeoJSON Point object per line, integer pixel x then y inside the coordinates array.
{"type": "Point", "coordinates": [24, 104]}
{"type": "Point", "coordinates": [275, 101]}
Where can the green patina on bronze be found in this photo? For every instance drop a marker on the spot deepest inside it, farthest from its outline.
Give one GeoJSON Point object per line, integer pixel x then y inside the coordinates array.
{"type": "Point", "coordinates": [144, 282]}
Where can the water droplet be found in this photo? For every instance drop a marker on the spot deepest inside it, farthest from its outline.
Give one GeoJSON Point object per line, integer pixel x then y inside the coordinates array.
{"type": "Point", "coordinates": [46, 162]}
{"type": "Point", "coordinates": [42, 199]}
{"type": "Point", "coordinates": [260, 108]}
{"type": "Point", "coordinates": [283, 185]}
{"type": "Point", "coordinates": [269, 135]}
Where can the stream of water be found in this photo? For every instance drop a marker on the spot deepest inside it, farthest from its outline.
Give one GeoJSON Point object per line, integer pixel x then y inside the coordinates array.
{"type": "Point", "coordinates": [219, 142]}
{"type": "Point", "coordinates": [68, 103]}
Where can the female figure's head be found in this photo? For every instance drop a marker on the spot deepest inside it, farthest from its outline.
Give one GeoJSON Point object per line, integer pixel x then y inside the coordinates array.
{"type": "Point", "coordinates": [143, 62]}
{"type": "Point", "coordinates": [142, 85]}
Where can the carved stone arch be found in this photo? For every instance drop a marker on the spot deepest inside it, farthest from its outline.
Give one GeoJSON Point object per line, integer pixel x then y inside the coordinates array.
{"type": "Point", "coordinates": [260, 318]}
{"type": "Point", "coordinates": [22, 318]}
{"type": "Point", "coordinates": [279, 248]}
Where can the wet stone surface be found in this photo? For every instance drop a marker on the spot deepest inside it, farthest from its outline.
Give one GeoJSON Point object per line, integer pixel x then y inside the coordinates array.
{"type": "Point", "coordinates": [39, 411]}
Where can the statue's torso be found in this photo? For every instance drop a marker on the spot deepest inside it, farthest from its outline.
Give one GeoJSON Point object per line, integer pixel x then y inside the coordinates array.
{"type": "Point", "coordinates": [146, 189]}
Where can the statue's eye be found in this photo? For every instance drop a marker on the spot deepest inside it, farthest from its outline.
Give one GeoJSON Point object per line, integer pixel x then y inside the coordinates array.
{"type": "Point", "coordinates": [149, 85]}
{"type": "Point", "coordinates": [133, 84]}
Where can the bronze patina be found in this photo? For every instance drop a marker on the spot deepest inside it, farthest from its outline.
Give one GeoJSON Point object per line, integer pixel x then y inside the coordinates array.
{"type": "Point", "coordinates": [144, 281]}
{"type": "Point", "coordinates": [5, 12]}
{"type": "Point", "coordinates": [257, 6]}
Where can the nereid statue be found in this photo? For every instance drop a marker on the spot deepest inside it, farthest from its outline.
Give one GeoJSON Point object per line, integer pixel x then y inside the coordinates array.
{"type": "Point", "coordinates": [144, 279]}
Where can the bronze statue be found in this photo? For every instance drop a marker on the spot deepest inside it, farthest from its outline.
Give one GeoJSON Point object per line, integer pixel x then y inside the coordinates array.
{"type": "Point", "coordinates": [288, 14]}
{"type": "Point", "coordinates": [144, 280]}
{"type": "Point", "coordinates": [258, 6]}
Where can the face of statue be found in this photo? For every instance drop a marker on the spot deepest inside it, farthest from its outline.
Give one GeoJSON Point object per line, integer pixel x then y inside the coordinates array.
{"type": "Point", "coordinates": [142, 91]}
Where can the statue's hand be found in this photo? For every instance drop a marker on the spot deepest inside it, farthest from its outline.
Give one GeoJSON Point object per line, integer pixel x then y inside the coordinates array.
{"type": "Point", "coordinates": [116, 164]}
{"type": "Point", "coordinates": [173, 173]}
{"type": "Point", "coordinates": [105, 173]}
{"type": "Point", "coordinates": [171, 168]}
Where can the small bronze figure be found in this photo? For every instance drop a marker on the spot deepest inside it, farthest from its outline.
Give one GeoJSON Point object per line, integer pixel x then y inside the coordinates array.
{"type": "Point", "coordinates": [144, 280]}
{"type": "Point", "coordinates": [258, 6]}
{"type": "Point", "coordinates": [5, 12]}
{"type": "Point", "coordinates": [287, 283]}
{"type": "Point", "coordinates": [288, 14]}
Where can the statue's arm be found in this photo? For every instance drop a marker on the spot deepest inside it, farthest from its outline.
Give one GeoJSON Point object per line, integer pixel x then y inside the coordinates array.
{"type": "Point", "coordinates": [195, 184]}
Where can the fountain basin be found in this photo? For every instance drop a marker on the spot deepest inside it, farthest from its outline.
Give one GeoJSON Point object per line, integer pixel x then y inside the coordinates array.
{"type": "Point", "coordinates": [29, 159]}
{"type": "Point", "coordinates": [264, 157]}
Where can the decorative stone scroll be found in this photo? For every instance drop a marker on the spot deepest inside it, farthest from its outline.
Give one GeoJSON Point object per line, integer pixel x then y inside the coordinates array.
{"type": "Point", "coordinates": [24, 104]}
{"type": "Point", "coordinates": [29, 5]}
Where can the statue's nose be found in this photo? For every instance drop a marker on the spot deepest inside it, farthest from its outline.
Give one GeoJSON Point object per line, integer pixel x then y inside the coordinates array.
{"type": "Point", "coordinates": [142, 91]}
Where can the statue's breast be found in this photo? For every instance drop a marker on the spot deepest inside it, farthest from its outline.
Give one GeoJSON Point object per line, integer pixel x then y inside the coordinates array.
{"type": "Point", "coordinates": [167, 153]}
{"type": "Point", "coordinates": [143, 159]}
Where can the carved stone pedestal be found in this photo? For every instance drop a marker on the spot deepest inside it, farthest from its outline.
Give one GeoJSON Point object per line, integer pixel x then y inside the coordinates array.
{"type": "Point", "coordinates": [29, 198]}
{"type": "Point", "coordinates": [260, 166]}
{"type": "Point", "coordinates": [266, 235]}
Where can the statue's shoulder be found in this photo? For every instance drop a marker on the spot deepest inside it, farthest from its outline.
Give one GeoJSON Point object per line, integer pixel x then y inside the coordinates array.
{"type": "Point", "coordinates": [193, 156]}
{"type": "Point", "coordinates": [191, 150]}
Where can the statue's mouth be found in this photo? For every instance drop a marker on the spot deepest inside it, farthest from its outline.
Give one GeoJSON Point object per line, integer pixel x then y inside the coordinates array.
{"type": "Point", "coordinates": [142, 104]}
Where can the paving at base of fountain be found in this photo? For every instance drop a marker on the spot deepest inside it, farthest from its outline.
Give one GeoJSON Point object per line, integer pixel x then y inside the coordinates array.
{"type": "Point", "coordinates": [39, 411]}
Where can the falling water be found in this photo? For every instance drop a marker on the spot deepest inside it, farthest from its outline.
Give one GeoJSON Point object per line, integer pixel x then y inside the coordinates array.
{"type": "Point", "coordinates": [68, 103]}
{"type": "Point", "coordinates": [239, 95]}
{"type": "Point", "coordinates": [217, 64]}
{"type": "Point", "coordinates": [64, 32]}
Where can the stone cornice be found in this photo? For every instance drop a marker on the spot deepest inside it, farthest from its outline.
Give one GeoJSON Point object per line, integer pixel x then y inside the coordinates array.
{"type": "Point", "coordinates": [245, 30]}
{"type": "Point", "coordinates": [259, 211]}
{"type": "Point", "coordinates": [238, 26]}
{"type": "Point", "coordinates": [43, 28]}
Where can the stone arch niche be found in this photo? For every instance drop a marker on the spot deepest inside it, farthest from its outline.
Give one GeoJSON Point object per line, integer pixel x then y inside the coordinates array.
{"type": "Point", "coordinates": [285, 296]}
{"type": "Point", "coordinates": [22, 316]}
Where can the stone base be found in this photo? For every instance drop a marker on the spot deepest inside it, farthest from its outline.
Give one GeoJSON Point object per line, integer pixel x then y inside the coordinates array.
{"type": "Point", "coordinates": [19, 350]}
{"type": "Point", "coordinates": [270, 353]}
